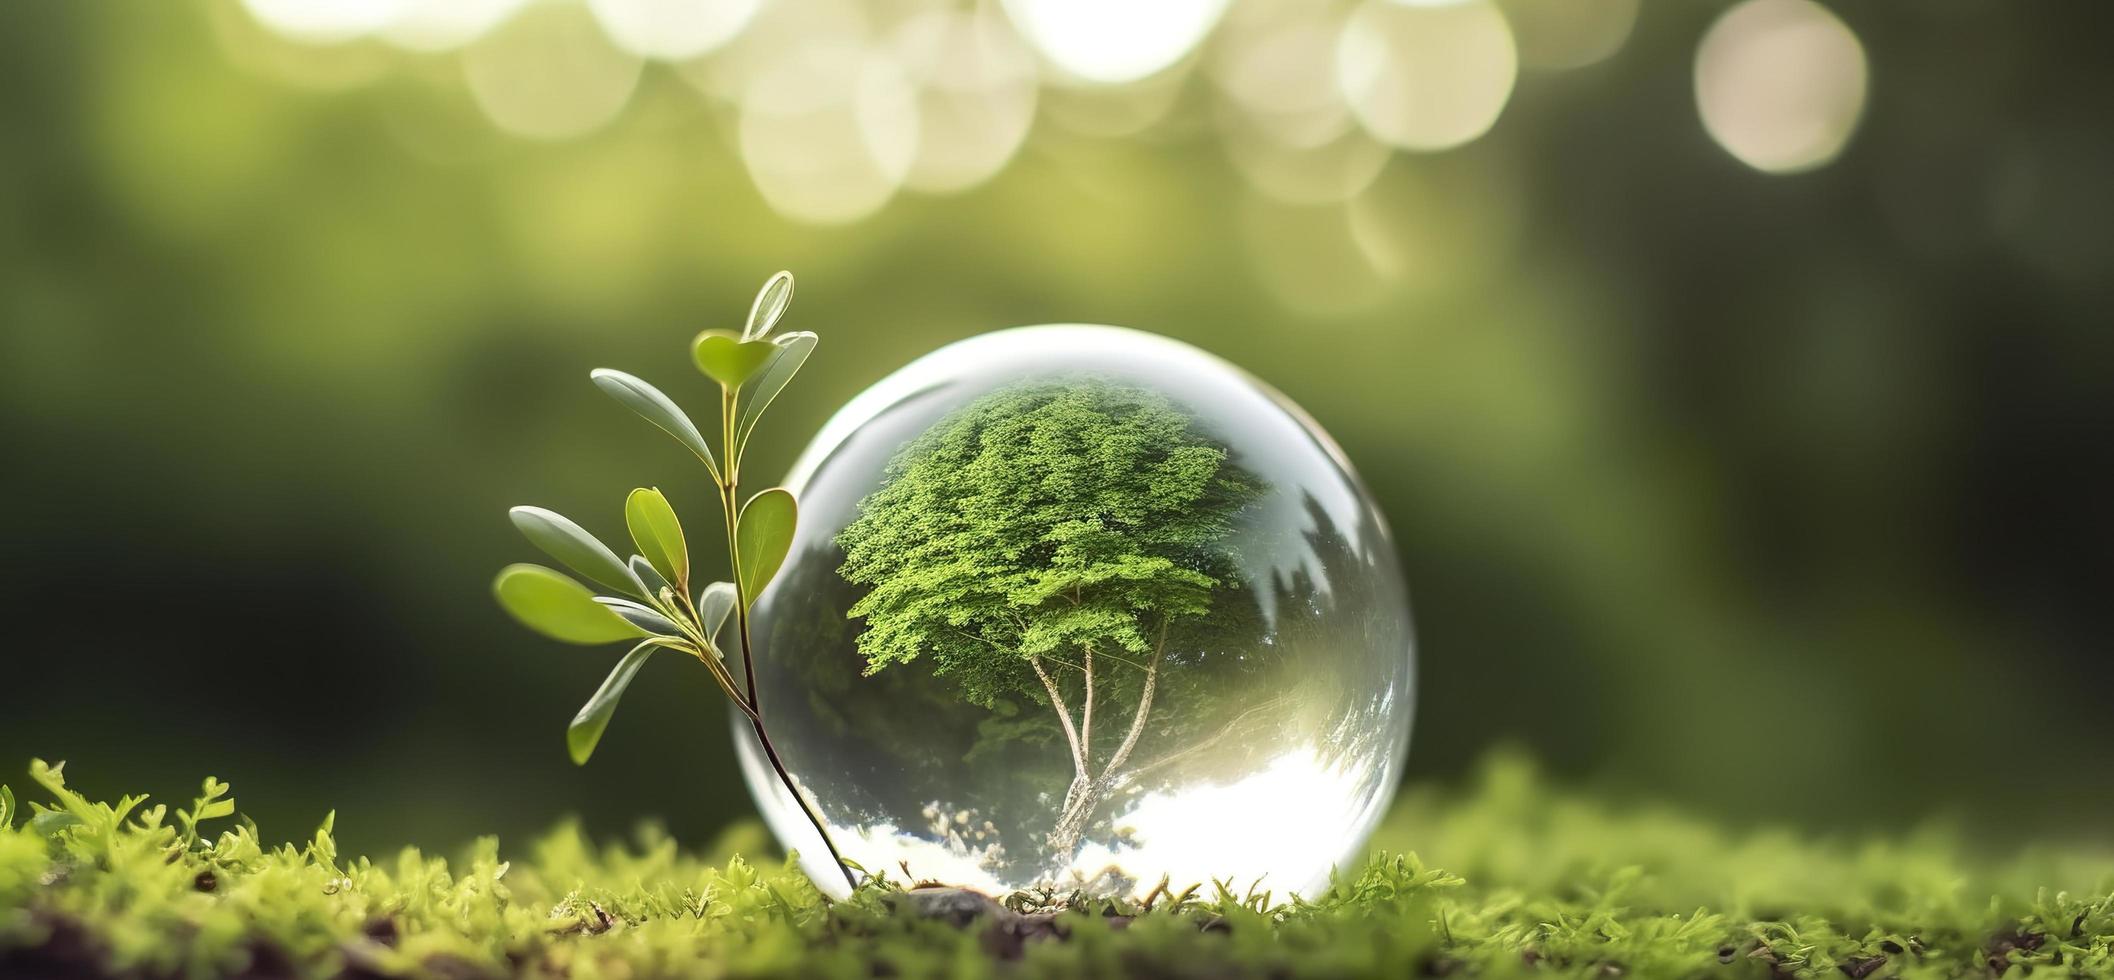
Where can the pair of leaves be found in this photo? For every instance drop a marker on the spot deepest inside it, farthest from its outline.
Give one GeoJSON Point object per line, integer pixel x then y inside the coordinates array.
{"type": "Point", "coordinates": [765, 366]}
{"type": "Point", "coordinates": [734, 362]}
{"type": "Point", "coordinates": [733, 359]}
{"type": "Point", "coordinates": [554, 604]}
{"type": "Point", "coordinates": [585, 731]}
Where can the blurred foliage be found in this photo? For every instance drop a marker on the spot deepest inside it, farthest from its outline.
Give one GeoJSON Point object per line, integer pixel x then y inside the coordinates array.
{"type": "Point", "coordinates": [1776, 494]}
{"type": "Point", "coordinates": [1536, 880]}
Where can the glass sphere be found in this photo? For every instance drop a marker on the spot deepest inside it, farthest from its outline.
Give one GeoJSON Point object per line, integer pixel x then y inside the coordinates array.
{"type": "Point", "coordinates": [1010, 519]}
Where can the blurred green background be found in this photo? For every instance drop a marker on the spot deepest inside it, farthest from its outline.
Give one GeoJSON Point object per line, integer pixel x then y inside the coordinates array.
{"type": "Point", "coordinates": [1780, 494]}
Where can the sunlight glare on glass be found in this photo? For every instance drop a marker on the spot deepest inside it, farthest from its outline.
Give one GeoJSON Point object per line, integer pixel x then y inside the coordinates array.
{"type": "Point", "coordinates": [829, 135]}
{"type": "Point", "coordinates": [1780, 84]}
{"type": "Point", "coordinates": [672, 30]}
{"type": "Point", "coordinates": [1280, 794]}
{"type": "Point", "coordinates": [976, 86]}
{"type": "Point", "coordinates": [548, 73]}
{"type": "Point", "coordinates": [323, 21]}
{"type": "Point", "coordinates": [1114, 41]}
{"type": "Point", "coordinates": [1427, 78]}
{"type": "Point", "coordinates": [1565, 34]}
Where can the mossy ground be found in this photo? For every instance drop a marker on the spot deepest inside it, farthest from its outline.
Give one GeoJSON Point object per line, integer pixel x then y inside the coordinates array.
{"type": "Point", "coordinates": [1534, 881]}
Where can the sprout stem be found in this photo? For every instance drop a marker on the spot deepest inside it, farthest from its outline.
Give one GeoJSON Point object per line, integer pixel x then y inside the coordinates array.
{"type": "Point", "coordinates": [729, 494]}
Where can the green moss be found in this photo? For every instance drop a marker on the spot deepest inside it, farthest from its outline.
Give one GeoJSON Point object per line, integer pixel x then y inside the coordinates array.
{"type": "Point", "coordinates": [1537, 881]}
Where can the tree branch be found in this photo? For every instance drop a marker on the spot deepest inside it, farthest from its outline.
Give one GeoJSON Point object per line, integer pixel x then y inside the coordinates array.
{"type": "Point", "coordinates": [1137, 721]}
{"type": "Point", "coordinates": [1064, 713]}
{"type": "Point", "coordinates": [1086, 714]}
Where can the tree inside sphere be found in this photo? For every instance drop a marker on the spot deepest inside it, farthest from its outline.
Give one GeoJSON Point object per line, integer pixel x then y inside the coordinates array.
{"type": "Point", "coordinates": [1082, 608]}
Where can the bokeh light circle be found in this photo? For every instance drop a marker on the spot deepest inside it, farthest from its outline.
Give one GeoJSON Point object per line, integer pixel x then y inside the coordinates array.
{"type": "Point", "coordinates": [780, 27]}
{"type": "Point", "coordinates": [1780, 84]}
{"type": "Point", "coordinates": [1281, 712]}
{"type": "Point", "coordinates": [671, 30]}
{"type": "Point", "coordinates": [976, 86]}
{"type": "Point", "coordinates": [1565, 34]}
{"type": "Point", "coordinates": [1275, 64]}
{"type": "Point", "coordinates": [547, 73]}
{"type": "Point", "coordinates": [1427, 77]}
{"type": "Point", "coordinates": [829, 134]}
{"type": "Point", "coordinates": [1114, 41]}
{"type": "Point", "coordinates": [1329, 172]}
{"type": "Point", "coordinates": [444, 25]}
{"type": "Point", "coordinates": [324, 21]}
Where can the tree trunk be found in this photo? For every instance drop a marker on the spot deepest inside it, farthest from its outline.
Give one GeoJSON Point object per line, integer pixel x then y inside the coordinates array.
{"type": "Point", "coordinates": [1080, 802]}
{"type": "Point", "coordinates": [1085, 795]}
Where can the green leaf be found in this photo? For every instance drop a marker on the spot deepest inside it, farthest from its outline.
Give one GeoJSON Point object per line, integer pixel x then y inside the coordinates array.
{"type": "Point", "coordinates": [658, 534]}
{"type": "Point", "coordinates": [7, 807]}
{"type": "Point", "coordinates": [655, 584]}
{"type": "Point", "coordinates": [578, 550]}
{"type": "Point", "coordinates": [558, 607]}
{"type": "Point", "coordinates": [586, 728]}
{"type": "Point", "coordinates": [640, 616]}
{"type": "Point", "coordinates": [793, 349]}
{"type": "Point", "coordinates": [770, 304]}
{"type": "Point", "coordinates": [763, 533]}
{"type": "Point", "coordinates": [648, 402]}
{"type": "Point", "coordinates": [50, 822]}
{"type": "Point", "coordinates": [713, 605]}
{"type": "Point", "coordinates": [212, 803]}
{"type": "Point", "coordinates": [728, 359]}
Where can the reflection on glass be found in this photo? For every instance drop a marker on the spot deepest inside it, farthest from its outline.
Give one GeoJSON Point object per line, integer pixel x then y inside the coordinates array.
{"type": "Point", "coordinates": [1082, 607]}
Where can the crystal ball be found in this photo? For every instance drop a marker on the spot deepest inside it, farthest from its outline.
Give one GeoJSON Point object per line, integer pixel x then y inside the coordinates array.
{"type": "Point", "coordinates": [1081, 608]}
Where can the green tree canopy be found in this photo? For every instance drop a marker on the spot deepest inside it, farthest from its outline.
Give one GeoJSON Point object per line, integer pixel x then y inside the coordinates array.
{"type": "Point", "coordinates": [1041, 519]}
